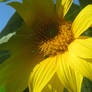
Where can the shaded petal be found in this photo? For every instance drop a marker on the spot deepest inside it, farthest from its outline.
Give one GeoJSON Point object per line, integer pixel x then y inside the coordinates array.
{"type": "Point", "coordinates": [54, 85]}
{"type": "Point", "coordinates": [34, 10]}
{"type": "Point", "coordinates": [42, 74]}
{"type": "Point", "coordinates": [15, 72]}
{"type": "Point", "coordinates": [81, 48]}
{"type": "Point", "coordinates": [68, 77]}
{"type": "Point", "coordinates": [81, 66]}
{"type": "Point", "coordinates": [62, 7]}
{"type": "Point", "coordinates": [17, 42]}
{"type": "Point", "coordinates": [83, 21]}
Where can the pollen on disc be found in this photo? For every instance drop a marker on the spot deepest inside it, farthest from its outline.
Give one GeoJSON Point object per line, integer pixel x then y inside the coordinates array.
{"type": "Point", "coordinates": [59, 44]}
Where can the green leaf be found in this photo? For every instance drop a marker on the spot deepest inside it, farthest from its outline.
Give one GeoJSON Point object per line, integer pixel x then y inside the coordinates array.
{"type": "Point", "coordinates": [4, 54]}
{"type": "Point", "coordinates": [4, 0]}
{"type": "Point", "coordinates": [73, 12]}
{"type": "Point", "coordinates": [10, 29]}
{"type": "Point", "coordinates": [26, 90]}
{"type": "Point", "coordinates": [13, 25]}
{"type": "Point", "coordinates": [2, 89]}
{"type": "Point", "coordinates": [65, 90]}
{"type": "Point", "coordinates": [88, 32]}
{"type": "Point", "coordinates": [83, 3]}
{"type": "Point", "coordinates": [5, 38]}
{"type": "Point", "coordinates": [86, 85]}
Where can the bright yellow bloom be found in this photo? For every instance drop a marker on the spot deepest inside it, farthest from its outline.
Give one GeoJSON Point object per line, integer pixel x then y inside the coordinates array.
{"type": "Point", "coordinates": [48, 52]}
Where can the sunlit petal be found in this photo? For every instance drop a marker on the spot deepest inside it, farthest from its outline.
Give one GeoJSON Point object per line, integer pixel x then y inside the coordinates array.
{"type": "Point", "coordinates": [42, 74]}
{"type": "Point", "coordinates": [62, 7]}
{"type": "Point", "coordinates": [83, 21]}
{"type": "Point", "coordinates": [68, 77]}
{"type": "Point", "coordinates": [81, 48]}
{"type": "Point", "coordinates": [81, 66]}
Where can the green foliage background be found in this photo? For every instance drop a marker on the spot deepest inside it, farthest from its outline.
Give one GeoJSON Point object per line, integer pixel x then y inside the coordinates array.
{"type": "Point", "coordinates": [16, 22]}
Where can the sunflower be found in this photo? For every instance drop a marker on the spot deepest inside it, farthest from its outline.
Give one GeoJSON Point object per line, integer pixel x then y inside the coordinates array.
{"type": "Point", "coordinates": [48, 52]}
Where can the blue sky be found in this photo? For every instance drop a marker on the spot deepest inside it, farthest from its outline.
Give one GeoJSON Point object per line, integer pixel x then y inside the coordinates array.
{"type": "Point", "coordinates": [6, 12]}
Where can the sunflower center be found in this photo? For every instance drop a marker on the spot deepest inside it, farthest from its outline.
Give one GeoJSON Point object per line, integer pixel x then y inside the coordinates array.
{"type": "Point", "coordinates": [59, 42]}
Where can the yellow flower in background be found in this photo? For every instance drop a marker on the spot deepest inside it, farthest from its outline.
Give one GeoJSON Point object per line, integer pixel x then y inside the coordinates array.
{"type": "Point", "coordinates": [48, 53]}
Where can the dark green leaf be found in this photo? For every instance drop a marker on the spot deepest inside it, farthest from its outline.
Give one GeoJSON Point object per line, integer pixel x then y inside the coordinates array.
{"type": "Point", "coordinates": [73, 12]}
{"type": "Point", "coordinates": [13, 25]}
{"type": "Point", "coordinates": [65, 90]}
{"type": "Point", "coordinates": [26, 90]}
{"type": "Point", "coordinates": [86, 85]}
{"type": "Point", "coordinates": [4, 54]}
{"type": "Point", "coordinates": [88, 32]}
{"type": "Point", "coordinates": [83, 3]}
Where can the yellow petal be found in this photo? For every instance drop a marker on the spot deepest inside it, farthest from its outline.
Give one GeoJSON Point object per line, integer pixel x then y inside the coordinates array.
{"type": "Point", "coordinates": [81, 66]}
{"type": "Point", "coordinates": [68, 77]}
{"type": "Point", "coordinates": [62, 7]}
{"type": "Point", "coordinates": [33, 11]}
{"type": "Point", "coordinates": [83, 21]}
{"type": "Point", "coordinates": [81, 48]}
{"type": "Point", "coordinates": [42, 74]}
